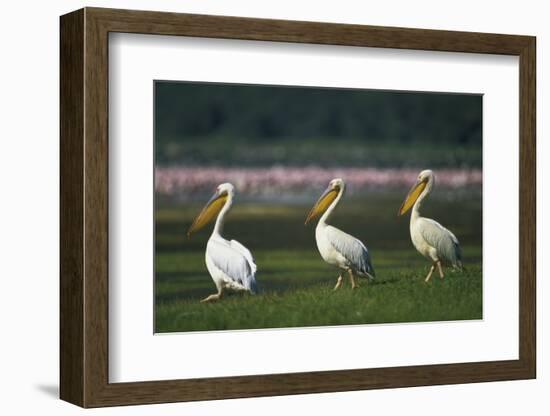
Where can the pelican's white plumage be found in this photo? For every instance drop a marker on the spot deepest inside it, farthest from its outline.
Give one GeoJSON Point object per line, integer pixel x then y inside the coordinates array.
{"type": "Point", "coordinates": [230, 264]}
{"type": "Point", "coordinates": [336, 247]}
{"type": "Point", "coordinates": [431, 239]}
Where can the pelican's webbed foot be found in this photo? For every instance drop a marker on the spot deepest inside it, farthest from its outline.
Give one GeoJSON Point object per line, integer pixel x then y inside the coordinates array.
{"type": "Point", "coordinates": [213, 298]}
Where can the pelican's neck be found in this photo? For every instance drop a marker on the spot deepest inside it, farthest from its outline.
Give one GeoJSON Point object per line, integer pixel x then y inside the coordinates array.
{"type": "Point", "coordinates": [418, 204]}
{"type": "Point", "coordinates": [327, 214]}
{"type": "Point", "coordinates": [218, 227]}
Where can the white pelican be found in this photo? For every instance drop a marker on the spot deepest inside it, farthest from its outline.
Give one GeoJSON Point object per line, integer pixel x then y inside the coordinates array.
{"type": "Point", "coordinates": [229, 263]}
{"type": "Point", "coordinates": [336, 247]}
{"type": "Point", "coordinates": [430, 238]}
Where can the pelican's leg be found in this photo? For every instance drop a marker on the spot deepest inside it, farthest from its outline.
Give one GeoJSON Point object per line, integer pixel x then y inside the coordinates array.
{"type": "Point", "coordinates": [352, 279]}
{"type": "Point", "coordinates": [339, 282]}
{"type": "Point", "coordinates": [440, 269]}
{"type": "Point", "coordinates": [214, 297]}
{"type": "Point", "coordinates": [429, 276]}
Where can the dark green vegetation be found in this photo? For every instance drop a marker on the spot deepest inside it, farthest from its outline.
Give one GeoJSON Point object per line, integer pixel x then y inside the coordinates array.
{"type": "Point", "coordinates": [349, 152]}
{"type": "Point", "coordinates": [240, 125]}
{"type": "Point", "coordinates": [297, 285]}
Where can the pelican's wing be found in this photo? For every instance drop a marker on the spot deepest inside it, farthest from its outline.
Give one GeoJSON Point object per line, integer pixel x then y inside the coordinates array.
{"type": "Point", "coordinates": [443, 240]}
{"type": "Point", "coordinates": [236, 264]}
{"type": "Point", "coordinates": [246, 253]}
{"type": "Point", "coordinates": [352, 249]}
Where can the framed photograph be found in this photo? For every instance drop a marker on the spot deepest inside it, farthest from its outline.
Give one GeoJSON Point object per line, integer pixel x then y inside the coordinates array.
{"type": "Point", "coordinates": [255, 207]}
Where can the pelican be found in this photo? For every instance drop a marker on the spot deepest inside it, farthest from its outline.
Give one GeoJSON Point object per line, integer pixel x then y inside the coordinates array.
{"type": "Point", "coordinates": [230, 264]}
{"type": "Point", "coordinates": [430, 238]}
{"type": "Point", "coordinates": [336, 247]}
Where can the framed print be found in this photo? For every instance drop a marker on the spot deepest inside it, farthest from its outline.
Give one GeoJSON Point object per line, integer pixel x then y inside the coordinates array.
{"type": "Point", "coordinates": [263, 207]}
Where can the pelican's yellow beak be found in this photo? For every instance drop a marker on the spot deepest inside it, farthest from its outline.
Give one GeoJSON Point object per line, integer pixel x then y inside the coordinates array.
{"type": "Point", "coordinates": [412, 196]}
{"type": "Point", "coordinates": [323, 203]}
{"type": "Point", "coordinates": [208, 213]}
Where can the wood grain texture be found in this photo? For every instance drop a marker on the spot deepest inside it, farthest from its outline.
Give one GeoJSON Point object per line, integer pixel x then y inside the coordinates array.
{"type": "Point", "coordinates": [226, 27]}
{"type": "Point", "coordinates": [71, 100]}
{"type": "Point", "coordinates": [528, 208]}
{"type": "Point", "coordinates": [96, 218]}
{"type": "Point", "coordinates": [84, 207]}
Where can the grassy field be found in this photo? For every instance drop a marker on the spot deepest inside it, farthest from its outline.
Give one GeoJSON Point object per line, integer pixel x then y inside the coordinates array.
{"type": "Point", "coordinates": [296, 285]}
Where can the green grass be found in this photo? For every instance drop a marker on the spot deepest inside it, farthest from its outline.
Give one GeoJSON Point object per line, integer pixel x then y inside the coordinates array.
{"type": "Point", "coordinates": [304, 297]}
{"type": "Point", "coordinates": [296, 285]}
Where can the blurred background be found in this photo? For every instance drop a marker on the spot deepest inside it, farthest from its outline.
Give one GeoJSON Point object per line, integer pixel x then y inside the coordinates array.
{"type": "Point", "coordinates": [280, 146]}
{"type": "Point", "coordinates": [272, 138]}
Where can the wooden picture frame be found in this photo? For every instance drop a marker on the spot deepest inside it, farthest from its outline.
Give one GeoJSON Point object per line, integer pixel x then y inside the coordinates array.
{"type": "Point", "coordinates": [84, 207]}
